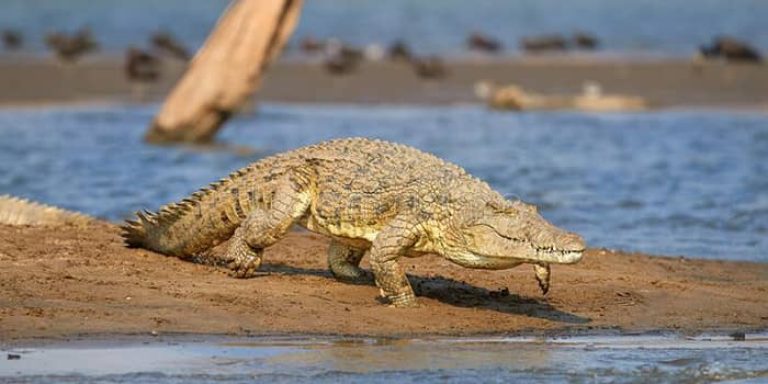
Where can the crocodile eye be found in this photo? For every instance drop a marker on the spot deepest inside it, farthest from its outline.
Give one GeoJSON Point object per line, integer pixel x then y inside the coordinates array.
{"type": "Point", "coordinates": [496, 207]}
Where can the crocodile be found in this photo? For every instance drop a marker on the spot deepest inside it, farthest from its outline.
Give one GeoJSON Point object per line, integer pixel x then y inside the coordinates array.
{"type": "Point", "coordinates": [18, 211]}
{"type": "Point", "coordinates": [387, 199]}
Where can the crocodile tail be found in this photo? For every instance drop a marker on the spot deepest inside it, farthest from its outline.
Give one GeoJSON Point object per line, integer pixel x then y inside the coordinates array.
{"type": "Point", "coordinates": [18, 211]}
{"type": "Point", "coordinates": [209, 216]}
{"type": "Point", "coordinates": [190, 227]}
{"type": "Point", "coordinates": [185, 229]}
{"type": "Point", "coordinates": [137, 232]}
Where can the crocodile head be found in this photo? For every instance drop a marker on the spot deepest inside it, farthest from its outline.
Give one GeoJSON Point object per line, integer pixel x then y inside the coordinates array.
{"type": "Point", "coordinates": [502, 234]}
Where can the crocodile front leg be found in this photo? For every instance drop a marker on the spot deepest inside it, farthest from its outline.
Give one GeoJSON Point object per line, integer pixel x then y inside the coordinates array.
{"type": "Point", "coordinates": [542, 276]}
{"type": "Point", "coordinates": [392, 243]}
{"type": "Point", "coordinates": [344, 263]}
{"type": "Point", "coordinates": [264, 227]}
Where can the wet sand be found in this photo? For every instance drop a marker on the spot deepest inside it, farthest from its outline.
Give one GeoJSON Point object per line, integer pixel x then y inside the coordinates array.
{"type": "Point", "coordinates": [664, 82]}
{"type": "Point", "coordinates": [63, 282]}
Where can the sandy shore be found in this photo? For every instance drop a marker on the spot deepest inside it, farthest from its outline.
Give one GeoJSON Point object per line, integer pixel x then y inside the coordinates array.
{"type": "Point", "coordinates": [664, 82]}
{"type": "Point", "coordinates": [65, 281]}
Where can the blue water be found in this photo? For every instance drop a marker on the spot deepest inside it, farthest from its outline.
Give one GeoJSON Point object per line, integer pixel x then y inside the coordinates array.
{"type": "Point", "coordinates": [691, 183]}
{"type": "Point", "coordinates": [668, 27]}
{"type": "Point", "coordinates": [644, 359]}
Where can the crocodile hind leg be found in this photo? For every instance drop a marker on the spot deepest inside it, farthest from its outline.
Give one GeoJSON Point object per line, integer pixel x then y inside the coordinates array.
{"type": "Point", "coordinates": [246, 259]}
{"type": "Point", "coordinates": [344, 263]}
{"type": "Point", "coordinates": [264, 227]}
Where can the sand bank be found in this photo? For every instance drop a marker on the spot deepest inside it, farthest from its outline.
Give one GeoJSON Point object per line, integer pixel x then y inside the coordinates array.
{"type": "Point", "coordinates": [663, 82]}
{"type": "Point", "coordinates": [59, 282]}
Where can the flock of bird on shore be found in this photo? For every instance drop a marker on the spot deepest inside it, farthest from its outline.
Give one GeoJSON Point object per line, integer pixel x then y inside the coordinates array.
{"type": "Point", "coordinates": [340, 58]}
{"type": "Point", "coordinates": [141, 65]}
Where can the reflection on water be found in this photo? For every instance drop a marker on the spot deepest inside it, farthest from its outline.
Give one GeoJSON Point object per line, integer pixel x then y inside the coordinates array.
{"type": "Point", "coordinates": [672, 183]}
{"type": "Point", "coordinates": [605, 359]}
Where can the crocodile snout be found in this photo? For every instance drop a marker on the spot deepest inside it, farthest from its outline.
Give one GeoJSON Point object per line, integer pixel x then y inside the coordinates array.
{"type": "Point", "coordinates": [572, 242]}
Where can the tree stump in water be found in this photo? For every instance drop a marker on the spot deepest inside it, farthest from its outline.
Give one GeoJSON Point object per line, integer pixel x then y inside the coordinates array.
{"type": "Point", "coordinates": [226, 71]}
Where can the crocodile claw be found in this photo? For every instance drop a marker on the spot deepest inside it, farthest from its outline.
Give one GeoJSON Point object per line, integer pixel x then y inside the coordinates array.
{"type": "Point", "coordinates": [245, 267]}
{"type": "Point", "coordinates": [403, 301]}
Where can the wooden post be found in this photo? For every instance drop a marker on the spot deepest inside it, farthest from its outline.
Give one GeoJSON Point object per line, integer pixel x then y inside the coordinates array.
{"type": "Point", "coordinates": [226, 71]}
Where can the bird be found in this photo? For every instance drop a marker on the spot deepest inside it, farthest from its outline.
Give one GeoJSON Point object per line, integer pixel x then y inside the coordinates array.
{"type": "Point", "coordinates": [69, 48]}
{"type": "Point", "coordinates": [165, 42]}
{"type": "Point", "coordinates": [341, 58]}
{"type": "Point", "coordinates": [730, 49]}
{"type": "Point", "coordinates": [310, 45]}
{"type": "Point", "coordinates": [399, 51]}
{"type": "Point", "coordinates": [341, 64]}
{"type": "Point", "coordinates": [583, 40]}
{"type": "Point", "coordinates": [430, 67]}
{"type": "Point", "coordinates": [12, 39]}
{"type": "Point", "coordinates": [484, 43]}
{"type": "Point", "coordinates": [141, 66]}
{"type": "Point", "coordinates": [544, 43]}
{"type": "Point", "coordinates": [373, 52]}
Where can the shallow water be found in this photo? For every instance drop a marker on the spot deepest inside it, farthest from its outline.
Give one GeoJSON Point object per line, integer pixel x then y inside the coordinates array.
{"type": "Point", "coordinates": [668, 27]}
{"type": "Point", "coordinates": [625, 359]}
{"type": "Point", "coordinates": [673, 183]}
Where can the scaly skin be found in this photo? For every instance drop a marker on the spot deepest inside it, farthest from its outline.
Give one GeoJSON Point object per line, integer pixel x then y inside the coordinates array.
{"type": "Point", "coordinates": [17, 211]}
{"type": "Point", "coordinates": [389, 199]}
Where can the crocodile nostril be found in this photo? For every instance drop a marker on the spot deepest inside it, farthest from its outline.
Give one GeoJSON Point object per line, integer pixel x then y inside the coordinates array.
{"type": "Point", "coordinates": [573, 242]}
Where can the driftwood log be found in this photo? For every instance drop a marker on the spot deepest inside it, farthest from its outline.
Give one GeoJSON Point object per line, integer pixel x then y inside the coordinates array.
{"type": "Point", "coordinates": [226, 71]}
{"type": "Point", "coordinates": [515, 98]}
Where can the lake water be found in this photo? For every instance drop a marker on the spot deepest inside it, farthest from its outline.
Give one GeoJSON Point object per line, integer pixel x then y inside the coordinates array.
{"type": "Point", "coordinates": [692, 183]}
{"type": "Point", "coordinates": [666, 27]}
{"type": "Point", "coordinates": [637, 359]}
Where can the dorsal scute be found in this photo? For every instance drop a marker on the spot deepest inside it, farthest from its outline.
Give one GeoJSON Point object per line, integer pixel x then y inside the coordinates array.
{"type": "Point", "coordinates": [146, 216]}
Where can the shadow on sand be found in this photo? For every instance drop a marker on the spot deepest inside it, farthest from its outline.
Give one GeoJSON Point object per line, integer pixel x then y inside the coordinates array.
{"type": "Point", "coordinates": [456, 293]}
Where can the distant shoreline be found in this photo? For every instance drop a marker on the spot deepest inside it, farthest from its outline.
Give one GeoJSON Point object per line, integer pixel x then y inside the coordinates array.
{"type": "Point", "coordinates": [664, 82]}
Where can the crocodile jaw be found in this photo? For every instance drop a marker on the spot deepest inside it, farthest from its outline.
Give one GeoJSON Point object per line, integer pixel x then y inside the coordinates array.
{"type": "Point", "coordinates": [470, 259]}
{"type": "Point", "coordinates": [554, 256]}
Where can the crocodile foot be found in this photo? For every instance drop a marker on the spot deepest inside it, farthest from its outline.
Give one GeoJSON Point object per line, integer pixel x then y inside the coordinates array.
{"type": "Point", "coordinates": [245, 261]}
{"type": "Point", "coordinates": [245, 267]}
{"type": "Point", "coordinates": [404, 300]}
{"type": "Point", "coordinates": [354, 276]}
